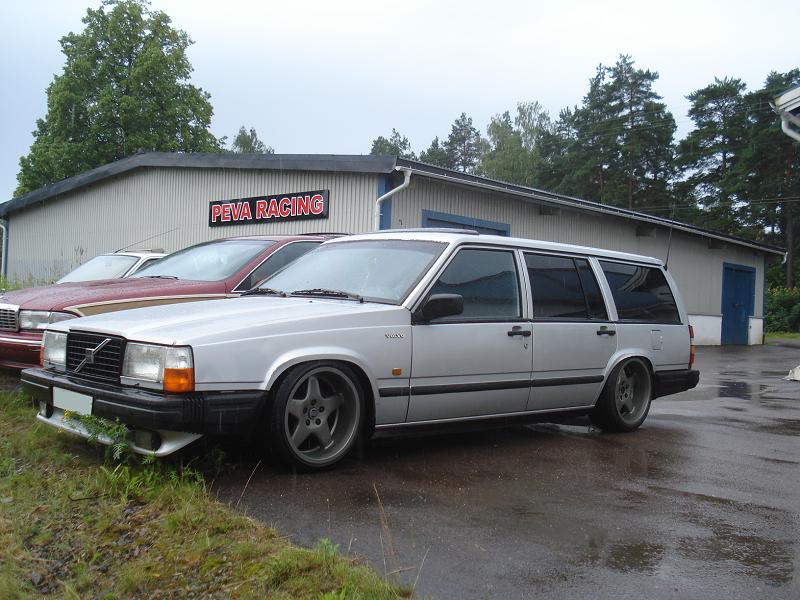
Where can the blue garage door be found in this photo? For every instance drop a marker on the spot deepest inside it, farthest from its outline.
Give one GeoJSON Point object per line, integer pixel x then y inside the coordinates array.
{"type": "Point", "coordinates": [738, 300]}
{"type": "Point", "coordinates": [437, 219]}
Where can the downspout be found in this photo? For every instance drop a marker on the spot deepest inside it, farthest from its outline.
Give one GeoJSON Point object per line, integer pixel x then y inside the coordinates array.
{"type": "Point", "coordinates": [389, 194]}
{"type": "Point", "coordinates": [4, 259]}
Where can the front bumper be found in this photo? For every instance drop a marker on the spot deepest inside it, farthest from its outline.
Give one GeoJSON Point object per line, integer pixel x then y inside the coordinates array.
{"type": "Point", "coordinates": [20, 349]}
{"type": "Point", "coordinates": [674, 382]}
{"type": "Point", "coordinates": [139, 409]}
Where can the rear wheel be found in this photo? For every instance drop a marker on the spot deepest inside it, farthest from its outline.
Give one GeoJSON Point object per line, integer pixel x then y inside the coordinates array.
{"type": "Point", "coordinates": [316, 415]}
{"type": "Point", "coordinates": [625, 399]}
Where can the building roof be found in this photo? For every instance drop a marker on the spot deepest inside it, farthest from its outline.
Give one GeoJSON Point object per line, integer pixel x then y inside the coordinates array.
{"type": "Point", "coordinates": [352, 164]}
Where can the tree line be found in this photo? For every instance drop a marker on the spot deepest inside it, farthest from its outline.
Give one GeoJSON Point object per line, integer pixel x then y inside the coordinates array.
{"type": "Point", "coordinates": [734, 172]}
{"type": "Point", "coordinates": [125, 88]}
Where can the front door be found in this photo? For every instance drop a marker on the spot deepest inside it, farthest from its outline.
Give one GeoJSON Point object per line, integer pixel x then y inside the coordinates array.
{"type": "Point", "coordinates": [476, 363]}
{"type": "Point", "coordinates": [738, 295]}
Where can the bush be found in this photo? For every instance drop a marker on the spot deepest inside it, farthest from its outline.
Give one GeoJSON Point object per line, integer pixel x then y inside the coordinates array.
{"type": "Point", "coordinates": [782, 309]}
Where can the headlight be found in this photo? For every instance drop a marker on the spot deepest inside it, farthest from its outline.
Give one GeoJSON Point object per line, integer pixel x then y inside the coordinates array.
{"type": "Point", "coordinates": [40, 319]}
{"type": "Point", "coordinates": [54, 350]}
{"type": "Point", "coordinates": [171, 366]}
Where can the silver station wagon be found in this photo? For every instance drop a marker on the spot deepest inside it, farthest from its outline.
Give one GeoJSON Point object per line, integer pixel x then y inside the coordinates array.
{"type": "Point", "coordinates": [380, 332]}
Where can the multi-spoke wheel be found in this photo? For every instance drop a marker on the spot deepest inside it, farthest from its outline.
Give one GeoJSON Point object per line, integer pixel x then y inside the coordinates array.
{"type": "Point", "coordinates": [316, 415]}
{"type": "Point", "coordinates": [625, 400]}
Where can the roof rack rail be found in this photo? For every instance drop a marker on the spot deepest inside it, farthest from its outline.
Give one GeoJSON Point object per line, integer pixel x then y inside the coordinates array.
{"type": "Point", "coordinates": [430, 230]}
{"type": "Point", "coordinates": [325, 233]}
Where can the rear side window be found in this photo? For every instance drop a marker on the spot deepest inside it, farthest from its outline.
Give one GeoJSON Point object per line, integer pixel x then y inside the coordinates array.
{"type": "Point", "coordinates": [488, 282]}
{"type": "Point", "coordinates": [641, 293]}
{"type": "Point", "coordinates": [563, 288]}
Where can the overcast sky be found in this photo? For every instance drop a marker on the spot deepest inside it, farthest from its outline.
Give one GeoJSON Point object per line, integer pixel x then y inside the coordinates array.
{"type": "Point", "coordinates": [330, 76]}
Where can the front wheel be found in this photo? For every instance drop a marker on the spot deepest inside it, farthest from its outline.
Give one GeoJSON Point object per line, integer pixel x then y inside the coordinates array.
{"type": "Point", "coordinates": [625, 399]}
{"type": "Point", "coordinates": [315, 415]}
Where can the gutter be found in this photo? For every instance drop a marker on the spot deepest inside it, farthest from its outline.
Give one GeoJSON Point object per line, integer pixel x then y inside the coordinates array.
{"type": "Point", "coordinates": [389, 194]}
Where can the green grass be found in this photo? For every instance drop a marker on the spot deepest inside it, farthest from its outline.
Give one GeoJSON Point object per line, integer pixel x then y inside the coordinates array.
{"type": "Point", "coordinates": [74, 525]}
{"type": "Point", "coordinates": [792, 335]}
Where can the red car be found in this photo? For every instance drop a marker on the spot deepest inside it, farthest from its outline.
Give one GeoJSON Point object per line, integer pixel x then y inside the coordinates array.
{"type": "Point", "coordinates": [217, 269]}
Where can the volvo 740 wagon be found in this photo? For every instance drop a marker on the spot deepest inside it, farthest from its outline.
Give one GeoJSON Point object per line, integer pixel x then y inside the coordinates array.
{"type": "Point", "coordinates": [376, 332]}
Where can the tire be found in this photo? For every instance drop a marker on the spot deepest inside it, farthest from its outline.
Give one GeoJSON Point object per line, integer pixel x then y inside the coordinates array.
{"type": "Point", "coordinates": [625, 400]}
{"type": "Point", "coordinates": [315, 416]}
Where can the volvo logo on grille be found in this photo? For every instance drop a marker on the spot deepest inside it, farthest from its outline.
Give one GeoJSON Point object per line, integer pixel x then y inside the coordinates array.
{"type": "Point", "coordinates": [91, 353]}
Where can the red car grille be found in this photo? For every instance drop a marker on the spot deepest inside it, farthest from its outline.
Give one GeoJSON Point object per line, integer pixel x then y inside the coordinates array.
{"type": "Point", "coordinates": [8, 319]}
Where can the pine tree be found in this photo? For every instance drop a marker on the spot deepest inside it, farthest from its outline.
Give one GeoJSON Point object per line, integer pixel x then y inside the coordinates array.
{"type": "Point", "coordinates": [247, 142]}
{"type": "Point", "coordinates": [465, 144]}
{"type": "Point", "coordinates": [437, 155]}
{"type": "Point", "coordinates": [396, 145]}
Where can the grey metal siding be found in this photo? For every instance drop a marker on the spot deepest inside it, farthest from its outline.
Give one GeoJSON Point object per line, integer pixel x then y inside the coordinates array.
{"type": "Point", "coordinates": [48, 240]}
{"type": "Point", "coordinates": [697, 269]}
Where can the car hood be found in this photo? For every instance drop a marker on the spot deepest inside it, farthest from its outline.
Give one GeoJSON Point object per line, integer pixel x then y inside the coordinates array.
{"type": "Point", "coordinates": [62, 296]}
{"type": "Point", "coordinates": [235, 318]}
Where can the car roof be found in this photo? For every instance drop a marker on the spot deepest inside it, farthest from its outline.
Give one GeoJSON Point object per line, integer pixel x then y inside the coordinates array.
{"type": "Point", "coordinates": [466, 236]}
{"type": "Point", "coordinates": [282, 238]}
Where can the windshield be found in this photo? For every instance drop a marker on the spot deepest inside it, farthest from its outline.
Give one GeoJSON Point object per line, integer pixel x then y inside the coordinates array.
{"type": "Point", "coordinates": [377, 270]}
{"type": "Point", "coordinates": [105, 266]}
{"type": "Point", "coordinates": [210, 261]}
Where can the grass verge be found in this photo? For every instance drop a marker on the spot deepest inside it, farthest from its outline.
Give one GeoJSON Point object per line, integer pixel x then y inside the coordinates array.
{"type": "Point", "coordinates": [75, 526]}
{"type": "Point", "coordinates": [791, 335]}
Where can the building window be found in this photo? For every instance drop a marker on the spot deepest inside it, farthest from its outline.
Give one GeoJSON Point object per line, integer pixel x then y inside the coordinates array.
{"type": "Point", "coordinates": [438, 219]}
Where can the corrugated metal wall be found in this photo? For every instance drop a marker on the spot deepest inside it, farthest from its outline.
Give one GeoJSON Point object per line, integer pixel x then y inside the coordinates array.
{"type": "Point", "coordinates": [696, 268]}
{"type": "Point", "coordinates": [47, 241]}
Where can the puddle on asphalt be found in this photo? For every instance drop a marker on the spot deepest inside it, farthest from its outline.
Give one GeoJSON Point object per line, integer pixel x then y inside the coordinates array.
{"type": "Point", "coordinates": [623, 557]}
{"type": "Point", "coordinates": [735, 389]}
{"type": "Point", "coordinates": [769, 560]}
{"type": "Point", "coordinates": [781, 427]}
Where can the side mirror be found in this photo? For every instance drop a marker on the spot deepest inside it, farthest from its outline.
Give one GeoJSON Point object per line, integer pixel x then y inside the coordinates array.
{"type": "Point", "coordinates": [441, 305]}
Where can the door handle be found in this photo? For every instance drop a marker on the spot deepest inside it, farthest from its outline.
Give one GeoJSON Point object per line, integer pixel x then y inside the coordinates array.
{"type": "Point", "coordinates": [517, 330]}
{"type": "Point", "coordinates": [606, 331]}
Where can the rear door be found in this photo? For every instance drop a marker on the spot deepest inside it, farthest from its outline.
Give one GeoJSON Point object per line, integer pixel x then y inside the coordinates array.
{"type": "Point", "coordinates": [479, 362]}
{"type": "Point", "coordinates": [573, 338]}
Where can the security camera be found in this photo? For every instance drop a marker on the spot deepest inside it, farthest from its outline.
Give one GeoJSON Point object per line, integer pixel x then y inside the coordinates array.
{"type": "Point", "coordinates": [787, 105]}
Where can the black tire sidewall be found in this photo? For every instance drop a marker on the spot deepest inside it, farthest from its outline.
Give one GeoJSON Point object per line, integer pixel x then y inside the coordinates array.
{"type": "Point", "coordinates": [276, 414]}
{"type": "Point", "coordinates": [606, 414]}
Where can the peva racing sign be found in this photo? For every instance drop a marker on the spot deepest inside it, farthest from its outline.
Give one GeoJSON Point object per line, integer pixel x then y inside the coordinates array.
{"type": "Point", "coordinates": [264, 209]}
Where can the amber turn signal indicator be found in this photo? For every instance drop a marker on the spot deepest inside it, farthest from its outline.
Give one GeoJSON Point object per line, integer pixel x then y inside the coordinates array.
{"type": "Point", "coordinates": [397, 371]}
{"type": "Point", "coordinates": [178, 380]}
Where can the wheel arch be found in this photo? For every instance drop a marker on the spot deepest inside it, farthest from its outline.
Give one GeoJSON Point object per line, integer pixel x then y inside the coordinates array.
{"type": "Point", "coordinates": [620, 358]}
{"type": "Point", "coordinates": [356, 363]}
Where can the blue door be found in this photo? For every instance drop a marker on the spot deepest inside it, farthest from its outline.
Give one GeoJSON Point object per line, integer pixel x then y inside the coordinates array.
{"type": "Point", "coordinates": [738, 300]}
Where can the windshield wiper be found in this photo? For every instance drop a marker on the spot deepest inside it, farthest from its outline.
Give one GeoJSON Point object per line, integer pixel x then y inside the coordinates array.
{"type": "Point", "coordinates": [327, 293]}
{"type": "Point", "coordinates": [264, 291]}
{"type": "Point", "coordinates": [160, 276]}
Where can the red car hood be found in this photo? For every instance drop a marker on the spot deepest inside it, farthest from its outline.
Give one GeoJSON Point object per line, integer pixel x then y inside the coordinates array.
{"type": "Point", "coordinates": [63, 295]}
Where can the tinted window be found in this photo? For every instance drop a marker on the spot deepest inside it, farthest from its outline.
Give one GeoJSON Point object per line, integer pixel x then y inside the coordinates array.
{"type": "Point", "coordinates": [641, 293]}
{"type": "Point", "coordinates": [594, 299]}
{"type": "Point", "coordinates": [556, 287]}
{"type": "Point", "coordinates": [276, 261]}
{"type": "Point", "coordinates": [488, 282]}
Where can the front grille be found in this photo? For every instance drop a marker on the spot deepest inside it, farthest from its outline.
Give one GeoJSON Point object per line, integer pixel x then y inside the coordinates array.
{"type": "Point", "coordinates": [8, 319]}
{"type": "Point", "coordinates": [104, 365]}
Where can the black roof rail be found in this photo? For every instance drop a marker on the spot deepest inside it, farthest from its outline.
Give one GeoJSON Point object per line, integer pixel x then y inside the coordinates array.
{"type": "Point", "coordinates": [325, 233]}
{"type": "Point", "coordinates": [430, 230]}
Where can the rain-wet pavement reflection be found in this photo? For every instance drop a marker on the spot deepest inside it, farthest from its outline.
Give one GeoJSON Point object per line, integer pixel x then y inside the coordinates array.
{"type": "Point", "coordinates": [702, 501]}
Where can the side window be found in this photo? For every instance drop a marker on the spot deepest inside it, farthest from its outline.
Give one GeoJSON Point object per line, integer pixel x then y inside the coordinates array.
{"type": "Point", "coordinates": [641, 293]}
{"type": "Point", "coordinates": [594, 298]}
{"type": "Point", "coordinates": [556, 287]}
{"type": "Point", "coordinates": [145, 263]}
{"type": "Point", "coordinates": [276, 261]}
{"type": "Point", "coordinates": [488, 282]}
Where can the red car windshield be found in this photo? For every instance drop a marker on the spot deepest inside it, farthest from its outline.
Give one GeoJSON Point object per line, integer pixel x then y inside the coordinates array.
{"type": "Point", "coordinates": [210, 261]}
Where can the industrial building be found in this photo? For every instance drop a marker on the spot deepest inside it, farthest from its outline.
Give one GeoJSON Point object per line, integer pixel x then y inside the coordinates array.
{"type": "Point", "coordinates": [170, 201]}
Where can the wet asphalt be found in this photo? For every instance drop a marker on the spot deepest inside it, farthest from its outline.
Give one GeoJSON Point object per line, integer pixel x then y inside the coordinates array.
{"type": "Point", "coordinates": [702, 501]}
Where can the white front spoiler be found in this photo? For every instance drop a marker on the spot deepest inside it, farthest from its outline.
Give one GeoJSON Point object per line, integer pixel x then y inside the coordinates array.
{"type": "Point", "coordinates": [171, 441]}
